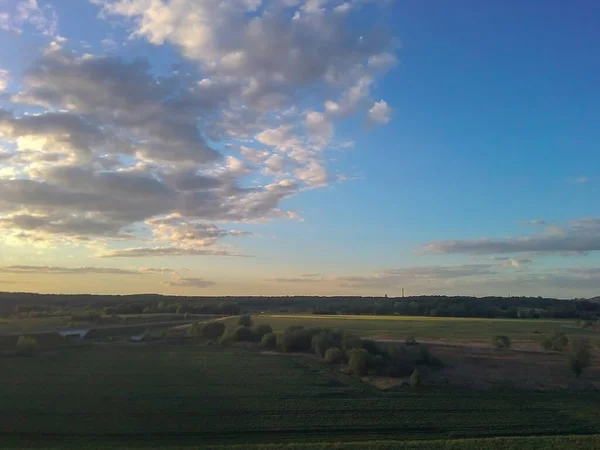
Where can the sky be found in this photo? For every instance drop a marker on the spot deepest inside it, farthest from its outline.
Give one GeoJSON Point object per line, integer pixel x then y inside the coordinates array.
{"type": "Point", "coordinates": [300, 147]}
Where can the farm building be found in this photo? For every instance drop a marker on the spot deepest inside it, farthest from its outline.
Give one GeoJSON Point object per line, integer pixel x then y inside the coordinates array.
{"type": "Point", "coordinates": [74, 333]}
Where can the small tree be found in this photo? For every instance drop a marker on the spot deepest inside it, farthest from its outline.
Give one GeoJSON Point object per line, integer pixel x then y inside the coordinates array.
{"type": "Point", "coordinates": [261, 330]}
{"type": "Point", "coordinates": [580, 355]}
{"type": "Point", "coordinates": [213, 330]}
{"type": "Point", "coordinates": [359, 361]}
{"type": "Point", "coordinates": [194, 330]}
{"type": "Point", "coordinates": [245, 320]}
{"type": "Point", "coordinates": [269, 341]}
{"type": "Point", "coordinates": [321, 342]}
{"type": "Point", "coordinates": [416, 379]}
{"type": "Point", "coordinates": [501, 342]}
{"type": "Point", "coordinates": [334, 355]}
{"type": "Point", "coordinates": [350, 342]}
{"type": "Point", "coordinates": [26, 345]}
{"type": "Point", "coordinates": [557, 342]}
{"type": "Point", "coordinates": [243, 334]}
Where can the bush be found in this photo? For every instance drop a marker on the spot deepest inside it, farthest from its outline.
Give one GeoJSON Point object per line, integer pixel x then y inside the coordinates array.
{"type": "Point", "coordinates": [371, 347]}
{"type": "Point", "coordinates": [213, 330]}
{"type": "Point", "coordinates": [359, 362]}
{"type": "Point", "coordinates": [296, 340]}
{"type": "Point", "coordinates": [501, 342]}
{"type": "Point", "coordinates": [334, 355]}
{"type": "Point", "coordinates": [194, 330]}
{"type": "Point", "coordinates": [26, 345]}
{"type": "Point", "coordinates": [351, 342]}
{"type": "Point", "coordinates": [243, 334]}
{"type": "Point", "coordinates": [245, 320]}
{"type": "Point", "coordinates": [416, 379]}
{"type": "Point", "coordinates": [269, 341]}
{"type": "Point", "coordinates": [410, 340]}
{"type": "Point", "coordinates": [261, 330]}
{"type": "Point", "coordinates": [580, 355]}
{"type": "Point", "coordinates": [324, 340]}
{"type": "Point", "coordinates": [399, 362]}
{"type": "Point", "coordinates": [557, 342]}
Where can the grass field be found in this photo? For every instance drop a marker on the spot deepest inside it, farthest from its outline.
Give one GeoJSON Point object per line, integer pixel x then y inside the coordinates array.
{"type": "Point", "coordinates": [169, 396]}
{"type": "Point", "coordinates": [450, 328]}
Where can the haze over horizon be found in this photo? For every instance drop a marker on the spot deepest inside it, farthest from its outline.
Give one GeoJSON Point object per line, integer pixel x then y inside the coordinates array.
{"type": "Point", "coordinates": [312, 147]}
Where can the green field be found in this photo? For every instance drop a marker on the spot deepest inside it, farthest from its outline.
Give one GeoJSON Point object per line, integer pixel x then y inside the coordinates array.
{"type": "Point", "coordinates": [450, 328]}
{"type": "Point", "coordinates": [169, 396]}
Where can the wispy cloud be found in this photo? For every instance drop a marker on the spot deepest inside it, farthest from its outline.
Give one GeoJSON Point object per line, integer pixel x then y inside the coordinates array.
{"type": "Point", "coordinates": [190, 282]}
{"type": "Point", "coordinates": [579, 236]}
{"type": "Point", "coordinates": [578, 180]}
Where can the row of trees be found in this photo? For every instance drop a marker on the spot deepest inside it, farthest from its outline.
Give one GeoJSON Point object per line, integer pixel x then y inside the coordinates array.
{"type": "Point", "coordinates": [335, 347]}
{"type": "Point", "coordinates": [440, 306]}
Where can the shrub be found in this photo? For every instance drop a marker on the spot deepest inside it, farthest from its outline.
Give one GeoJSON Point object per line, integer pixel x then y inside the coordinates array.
{"type": "Point", "coordinates": [243, 334]}
{"type": "Point", "coordinates": [580, 355]}
{"type": "Point", "coordinates": [296, 340]}
{"type": "Point", "coordinates": [416, 379]}
{"type": "Point", "coordinates": [501, 342]}
{"type": "Point", "coordinates": [371, 347]}
{"type": "Point", "coordinates": [359, 362]}
{"type": "Point", "coordinates": [245, 320]}
{"type": "Point", "coordinates": [261, 330]}
{"type": "Point", "coordinates": [213, 330]}
{"type": "Point", "coordinates": [26, 345]}
{"type": "Point", "coordinates": [557, 342]}
{"type": "Point", "coordinates": [378, 365]}
{"type": "Point", "coordinates": [536, 331]}
{"type": "Point", "coordinates": [269, 341]}
{"type": "Point", "coordinates": [325, 340]}
{"type": "Point", "coordinates": [399, 362]}
{"type": "Point", "coordinates": [334, 355]}
{"type": "Point", "coordinates": [410, 340]}
{"type": "Point", "coordinates": [350, 342]}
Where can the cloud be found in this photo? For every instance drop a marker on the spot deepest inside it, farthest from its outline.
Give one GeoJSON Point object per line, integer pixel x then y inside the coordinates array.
{"type": "Point", "coordinates": [469, 279]}
{"type": "Point", "coordinates": [190, 282]}
{"type": "Point", "coordinates": [109, 150]}
{"type": "Point", "coordinates": [535, 222]}
{"type": "Point", "coordinates": [579, 236]}
{"type": "Point", "coordinates": [4, 79]}
{"type": "Point", "coordinates": [293, 280]}
{"type": "Point", "coordinates": [517, 263]}
{"type": "Point", "coordinates": [144, 252]}
{"type": "Point", "coordinates": [380, 113]}
{"type": "Point", "coordinates": [55, 270]}
{"type": "Point", "coordinates": [28, 12]}
{"type": "Point", "coordinates": [578, 180]}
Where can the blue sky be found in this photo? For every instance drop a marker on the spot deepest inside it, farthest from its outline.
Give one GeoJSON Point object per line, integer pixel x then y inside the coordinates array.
{"type": "Point", "coordinates": [442, 147]}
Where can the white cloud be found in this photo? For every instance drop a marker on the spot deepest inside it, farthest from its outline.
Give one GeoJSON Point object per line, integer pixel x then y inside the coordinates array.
{"type": "Point", "coordinates": [28, 12]}
{"type": "Point", "coordinates": [189, 282]}
{"type": "Point", "coordinates": [115, 152]}
{"type": "Point", "coordinates": [4, 79]}
{"type": "Point", "coordinates": [380, 113]}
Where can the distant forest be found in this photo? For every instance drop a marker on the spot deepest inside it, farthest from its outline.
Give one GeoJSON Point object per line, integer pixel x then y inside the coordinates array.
{"type": "Point", "coordinates": [40, 305]}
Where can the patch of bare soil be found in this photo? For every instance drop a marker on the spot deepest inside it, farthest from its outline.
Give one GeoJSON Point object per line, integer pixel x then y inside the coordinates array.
{"type": "Point", "coordinates": [484, 368]}
{"type": "Point", "coordinates": [385, 383]}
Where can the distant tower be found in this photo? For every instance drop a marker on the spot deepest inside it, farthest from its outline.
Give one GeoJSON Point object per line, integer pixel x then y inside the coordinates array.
{"type": "Point", "coordinates": [402, 292]}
